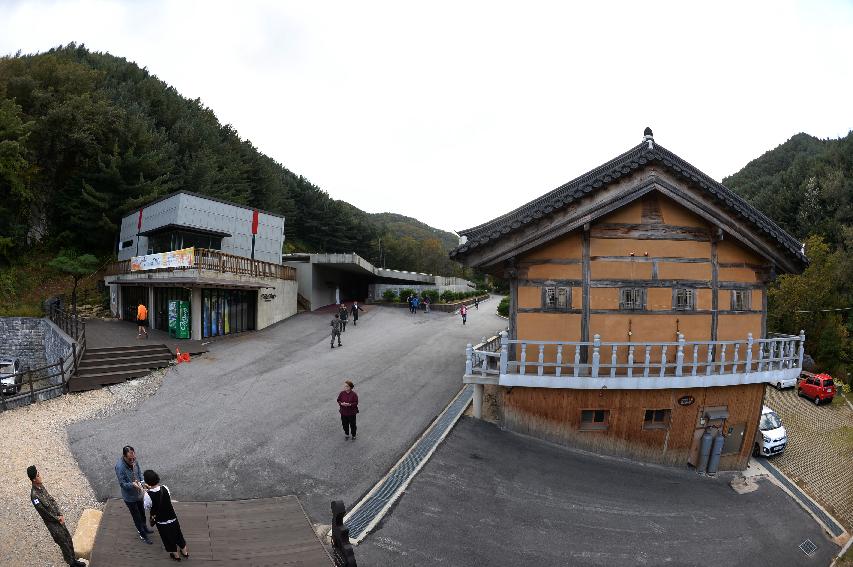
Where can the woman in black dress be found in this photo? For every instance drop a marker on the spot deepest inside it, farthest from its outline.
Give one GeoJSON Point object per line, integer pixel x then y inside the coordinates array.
{"type": "Point", "coordinates": [163, 516]}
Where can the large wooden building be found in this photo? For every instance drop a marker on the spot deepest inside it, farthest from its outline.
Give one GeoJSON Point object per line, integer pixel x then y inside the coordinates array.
{"type": "Point", "coordinates": [638, 311]}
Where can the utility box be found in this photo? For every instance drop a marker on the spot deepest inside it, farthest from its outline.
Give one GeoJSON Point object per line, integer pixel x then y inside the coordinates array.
{"type": "Point", "coordinates": [179, 319]}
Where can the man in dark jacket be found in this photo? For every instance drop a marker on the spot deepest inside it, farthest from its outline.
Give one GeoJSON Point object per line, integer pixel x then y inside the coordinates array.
{"type": "Point", "coordinates": [129, 476]}
{"type": "Point", "coordinates": [355, 310]}
{"type": "Point", "coordinates": [336, 329]}
{"type": "Point", "coordinates": [54, 520]}
{"type": "Point", "coordinates": [343, 313]}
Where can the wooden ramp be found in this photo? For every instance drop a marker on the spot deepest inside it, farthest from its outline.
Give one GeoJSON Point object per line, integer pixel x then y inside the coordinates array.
{"type": "Point", "coordinates": [266, 531]}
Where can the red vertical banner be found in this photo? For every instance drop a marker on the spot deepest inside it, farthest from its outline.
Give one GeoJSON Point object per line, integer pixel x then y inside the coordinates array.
{"type": "Point", "coordinates": [255, 221]}
{"type": "Point", "coordinates": [139, 222]}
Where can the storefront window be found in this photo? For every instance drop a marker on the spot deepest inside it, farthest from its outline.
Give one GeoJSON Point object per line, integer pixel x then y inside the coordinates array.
{"type": "Point", "coordinates": [227, 311]}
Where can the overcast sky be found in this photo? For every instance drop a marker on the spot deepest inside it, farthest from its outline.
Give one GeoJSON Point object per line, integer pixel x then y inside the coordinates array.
{"type": "Point", "coordinates": [457, 112]}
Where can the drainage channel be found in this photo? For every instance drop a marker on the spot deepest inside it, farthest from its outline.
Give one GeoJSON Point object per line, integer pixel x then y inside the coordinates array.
{"type": "Point", "coordinates": [364, 516]}
{"type": "Point", "coordinates": [828, 522]}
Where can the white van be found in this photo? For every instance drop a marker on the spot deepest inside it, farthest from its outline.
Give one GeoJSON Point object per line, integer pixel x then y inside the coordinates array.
{"type": "Point", "coordinates": [771, 437]}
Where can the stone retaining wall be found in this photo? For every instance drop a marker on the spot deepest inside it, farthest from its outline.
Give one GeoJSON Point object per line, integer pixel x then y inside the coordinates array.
{"type": "Point", "coordinates": [24, 338]}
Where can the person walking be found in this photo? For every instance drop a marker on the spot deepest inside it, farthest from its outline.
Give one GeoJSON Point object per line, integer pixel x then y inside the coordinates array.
{"type": "Point", "coordinates": [348, 406]}
{"type": "Point", "coordinates": [344, 315]}
{"type": "Point", "coordinates": [355, 309]}
{"type": "Point", "coordinates": [477, 303]}
{"type": "Point", "coordinates": [163, 516]}
{"type": "Point", "coordinates": [415, 302]}
{"type": "Point", "coordinates": [426, 304]}
{"type": "Point", "coordinates": [53, 519]}
{"type": "Point", "coordinates": [130, 480]}
{"type": "Point", "coordinates": [464, 312]}
{"type": "Point", "coordinates": [141, 321]}
{"type": "Point", "coordinates": [336, 329]}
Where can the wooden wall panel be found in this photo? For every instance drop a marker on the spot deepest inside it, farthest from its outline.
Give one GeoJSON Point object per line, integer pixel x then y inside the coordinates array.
{"type": "Point", "coordinates": [603, 270]}
{"type": "Point", "coordinates": [659, 298]}
{"type": "Point", "coordinates": [729, 250]}
{"type": "Point", "coordinates": [604, 298]}
{"type": "Point", "coordinates": [655, 248]}
{"type": "Point", "coordinates": [675, 214]}
{"type": "Point", "coordinates": [554, 272]}
{"type": "Point", "coordinates": [549, 326]}
{"type": "Point", "coordinates": [703, 299]}
{"type": "Point", "coordinates": [738, 275]}
{"type": "Point", "coordinates": [555, 415]}
{"type": "Point", "coordinates": [566, 247]}
{"type": "Point", "coordinates": [679, 271]}
{"type": "Point", "coordinates": [649, 327]}
{"type": "Point", "coordinates": [735, 327]}
{"type": "Point", "coordinates": [577, 298]}
{"type": "Point", "coordinates": [630, 213]}
{"type": "Point", "coordinates": [529, 296]}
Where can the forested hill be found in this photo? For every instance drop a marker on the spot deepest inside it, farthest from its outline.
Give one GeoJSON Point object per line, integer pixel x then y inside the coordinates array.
{"type": "Point", "coordinates": [87, 137]}
{"type": "Point", "coordinates": [806, 186]}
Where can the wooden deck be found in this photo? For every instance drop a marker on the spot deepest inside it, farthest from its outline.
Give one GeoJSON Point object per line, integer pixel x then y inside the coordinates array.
{"type": "Point", "coordinates": [266, 531]}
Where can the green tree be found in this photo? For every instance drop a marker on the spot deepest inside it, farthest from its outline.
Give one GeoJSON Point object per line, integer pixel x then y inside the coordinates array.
{"type": "Point", "coordinates": [77, 266]}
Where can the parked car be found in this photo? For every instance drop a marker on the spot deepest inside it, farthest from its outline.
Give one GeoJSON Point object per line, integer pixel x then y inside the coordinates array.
{"type": "Point", "coordinates": [771, 437]}
{"type": "Point", "coordinates": [10, 377]}
{"type": "Point", "coordinates": [818, 387]}
{"type": "Point", "coordinates": [786, 383]}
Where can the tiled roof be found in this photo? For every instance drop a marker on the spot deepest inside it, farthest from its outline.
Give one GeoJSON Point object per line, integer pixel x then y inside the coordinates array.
{"type": "Point", "coordinates": [635, 158]}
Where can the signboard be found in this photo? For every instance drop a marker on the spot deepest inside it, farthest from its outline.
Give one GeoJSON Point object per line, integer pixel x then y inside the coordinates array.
{"type": "Point", "coordinates": [175, 259]}
{"type": "Point", "coordinates": [183, 323]}
{"type": "Point", "coordinates": [686, 400]}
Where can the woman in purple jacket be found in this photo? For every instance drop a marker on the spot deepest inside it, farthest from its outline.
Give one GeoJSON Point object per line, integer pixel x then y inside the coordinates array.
{"type": "Point", "coordinates": [348, 403]}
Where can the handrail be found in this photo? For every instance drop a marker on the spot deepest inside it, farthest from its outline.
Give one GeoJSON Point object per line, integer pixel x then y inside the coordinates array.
{"type": "Point", "coordinates": [647, 359]}
{"type": "Point", "coordinates": [217, 261]}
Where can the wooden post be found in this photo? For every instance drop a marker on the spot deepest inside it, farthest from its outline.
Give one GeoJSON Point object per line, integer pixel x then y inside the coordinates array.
{"type": "Point", "coordinates": [74, 358]}
{"type": "Point", "coordinates": [802, 348]}
{"type": "Point", "coordinates": [504, 352]}
{"type": "Point", "coordinates": [749, 341]}
{"type": "Point", "coordinates": [62, 376]}
{"type": "Point", "coordinates": [559, 360]}
{"type": "Point", "coordinates": [30, 376]}
{"type": "Point", "coordinates": [596, 355]}
{"type": "Point", "coordinates": [469, 352]}
{"type": "Point", "coordinates": [541, 359]}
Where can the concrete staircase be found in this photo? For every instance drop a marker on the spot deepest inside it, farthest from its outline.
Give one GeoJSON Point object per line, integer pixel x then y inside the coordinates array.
{"type": "Point", "coordinates": [114, 365]}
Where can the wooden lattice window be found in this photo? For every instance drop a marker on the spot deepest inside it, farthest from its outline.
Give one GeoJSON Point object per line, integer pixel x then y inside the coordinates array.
{"type": "Point", "coordinates": [657, 419]}
{"type": "Point", "coordinates": [684, 299]}
{"type": "Point", "coordinates": [595, 420]}
{"type": "Point", "coordinates": [556, 298]}
{"type": "Point", "coordinates": [632, 298]}
{"type": "Point", "coordinates": [740, 299]}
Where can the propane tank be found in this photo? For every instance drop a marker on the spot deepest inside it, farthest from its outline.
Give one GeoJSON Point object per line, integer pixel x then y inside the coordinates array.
{"type": "Point", "coordinates": [716, 451]}
{"type": "Point", "coordinates": [704, 451]}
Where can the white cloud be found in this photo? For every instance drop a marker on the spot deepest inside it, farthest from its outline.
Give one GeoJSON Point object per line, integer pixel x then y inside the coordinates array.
{"type": "Point", "coordinates": [455, 112]}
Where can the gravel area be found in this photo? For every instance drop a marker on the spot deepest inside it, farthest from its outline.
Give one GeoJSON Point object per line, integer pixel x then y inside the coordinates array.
{"type": "Point", "coordinates": [36, 434]}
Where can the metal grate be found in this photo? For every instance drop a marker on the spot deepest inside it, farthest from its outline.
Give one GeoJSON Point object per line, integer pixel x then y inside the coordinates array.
{"type": "Point", "coordinates": [808, 547]}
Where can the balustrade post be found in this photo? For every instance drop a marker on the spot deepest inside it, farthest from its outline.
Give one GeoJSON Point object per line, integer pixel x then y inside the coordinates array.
{"type": "Point", "coordinates": [577, 363]}
{"type": "Point", "coordinates": [749, 341]}
{"type": "Point", "coordinates": [695, 360]}
{"type": "Point", "coordinates": [504, 353]}
{"type": "Point", "coordinates": [596, 355]}
{"type": "Point", "coordinates": [469, 364]}
{"type": "Point", "coordinates": [613, 361]}
{"type": "Point", "coordinates": [541, 359]}
{"type": "Point", "coordinates": [771, 355]}
{"type": "Point", "coordinates": [760, 356]}
{"type": "Point", "coordinates": [736, 358]}
{"type": "Point", "coordinates": [647, 362]}
{"type": "Point", "coordinates": [631, 361]}
{"type": "Point", "coordinates": [523, 367]}
{"type": "Point", "coordinates": [710, 360]}
{"type": "Point", "coordinates": [662, 360]}
{"type": "Point", "coordinates": [558, 368]}
{"type": "Point", "coordinates": [679, 356]}
{"type": "Point", "coordinates": [801, 348]}
{"type": "Point", "coordinates": [723, 359]}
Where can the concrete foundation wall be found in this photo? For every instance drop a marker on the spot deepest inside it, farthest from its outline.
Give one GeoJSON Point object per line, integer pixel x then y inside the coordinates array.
{"type": "Point", "coordinates": [37, 342]}
{"type": "Point", "coordinates": [276, 304]}
{"type": "Point", "coordinates": [375, 291]}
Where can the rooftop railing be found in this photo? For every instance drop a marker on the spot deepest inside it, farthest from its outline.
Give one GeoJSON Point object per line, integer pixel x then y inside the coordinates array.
{"type": "Point", "coordinates": [216, 261]}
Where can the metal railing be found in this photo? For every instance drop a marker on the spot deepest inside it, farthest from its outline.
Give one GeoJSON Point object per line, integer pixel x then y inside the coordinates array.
{"type": "Point", "coordinates": [216, 261]}
{"type": "Point", "coordinates": [37, 384]}
{"type": "Point", "coordinates": [597, 359]}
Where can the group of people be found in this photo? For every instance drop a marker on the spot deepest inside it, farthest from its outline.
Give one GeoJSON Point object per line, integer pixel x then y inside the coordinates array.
{"type": "Point", "coordinates": [339, 323]}
{"type": "Point", "coordinates": [416, 303]}
{"type": "Point", "coordinates": [140, 491]}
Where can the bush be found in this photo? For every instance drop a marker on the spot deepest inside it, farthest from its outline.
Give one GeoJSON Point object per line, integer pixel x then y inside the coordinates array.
{"type": "Point", "coordinates": [448, 296]}
{"type": "Point", "coordinates": [503, 307]}
{"type": "Point", "coordinates": [405, 293]}
{"type": "Point", "coordinates": [389, 295]}
{"type": "Point", "coordinates": [432, 294]}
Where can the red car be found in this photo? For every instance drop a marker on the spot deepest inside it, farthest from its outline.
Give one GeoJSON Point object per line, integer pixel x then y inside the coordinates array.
{"type": "Point", "coordinates": [818, 387]}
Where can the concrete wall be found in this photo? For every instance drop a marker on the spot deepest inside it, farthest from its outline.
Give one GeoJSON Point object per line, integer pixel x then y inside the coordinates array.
{"type": "Point", "coordinates": [37, 342]}
{"type": "Point", "coordinates": [191, 211]}
{"type": "Point", "coordinates": [276, 304]}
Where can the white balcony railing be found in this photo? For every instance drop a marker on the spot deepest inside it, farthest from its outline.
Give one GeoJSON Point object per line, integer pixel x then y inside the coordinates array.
{"type": "Point", "coordinates": [620, 365]}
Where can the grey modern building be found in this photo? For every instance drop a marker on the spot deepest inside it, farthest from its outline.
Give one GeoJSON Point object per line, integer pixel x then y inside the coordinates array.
{"type": "Point", "coordinates": [222, 258]}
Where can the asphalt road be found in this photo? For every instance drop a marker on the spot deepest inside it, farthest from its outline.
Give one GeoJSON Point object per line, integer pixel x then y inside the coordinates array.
{"type": "Point", "coordinates": [256, 416]}
{"type": "Point", "coordinates": [493, 498]}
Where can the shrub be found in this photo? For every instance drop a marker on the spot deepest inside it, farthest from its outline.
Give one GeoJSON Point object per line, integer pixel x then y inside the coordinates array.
{"type": "Point", "coordinates": [432, 294]}
{"type": "Point", "coordinates": [389, 295]}
{"type": "Point", "coordinates": [503, 307]}
{"type": "Point", "coordinates": [406, 292]}
{"type": "Point", "coordinates": [448, 296]}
